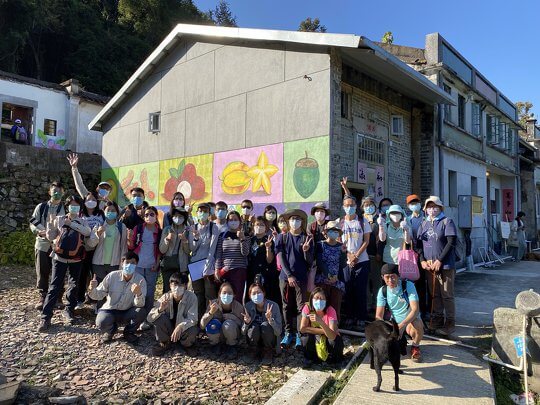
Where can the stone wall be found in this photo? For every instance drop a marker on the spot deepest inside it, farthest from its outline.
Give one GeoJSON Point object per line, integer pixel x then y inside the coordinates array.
{"type": "Point", "coordinates": [25, 175]}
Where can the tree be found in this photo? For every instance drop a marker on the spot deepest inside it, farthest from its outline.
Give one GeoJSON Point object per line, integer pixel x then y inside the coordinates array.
{"type": "Point", "coordinates": [524, 111]}
{"type": "Point", "coordinates": [388, 38]}
{"type": "Point", "coordinates": [309, 25]}
{"type": "Point", "coordinates": [222, 15]}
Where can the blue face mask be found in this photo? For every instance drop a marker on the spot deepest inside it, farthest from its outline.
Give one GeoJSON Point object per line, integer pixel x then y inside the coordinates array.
{"type": "Point", "coordinates": [370, 210]}
{"type": "Point", "coordinates": [128, 268]}
{"type": "Point", "coordinates": [385, 209]}
{"type": "Point", "coordinates": [74, 209]}
{"type": "Point", "coordinates": [349, 210]}
{"type": "Point", "coordinates": [333, 234]}
{"type": "Point", "coordinates": [212, 211]}
{"type": "Point", "coordinates": [319, 304]}
{"type": "Point", "coordinates": [103, 192]}
{"type": "Point", "coordinates": [110, 215]}
{"type": "Point", "coordinates": [257, 298]}
{"type": "Point", "coordinates": [137, 201]}
{"type": "Point", "coordinates": [202, 216]}
{"type": "Point", "coordinates": [221, 214]}
{"type": "Point", "coordinates": [226, 299]}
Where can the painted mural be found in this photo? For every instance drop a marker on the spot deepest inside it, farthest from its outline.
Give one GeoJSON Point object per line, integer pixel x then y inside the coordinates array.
{"type": "Point", "coordinates": [111, 177]}
{"type": "Point", "coordinates": [51, 142]}
{"type": "Point", "coordinates": [286, 175]}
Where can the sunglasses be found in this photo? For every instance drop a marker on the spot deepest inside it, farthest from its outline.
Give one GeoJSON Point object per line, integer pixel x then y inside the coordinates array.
{"type": "Point", "coordinates": [246, 206]}
{"type": "Point", "coordinates": [149, 214]}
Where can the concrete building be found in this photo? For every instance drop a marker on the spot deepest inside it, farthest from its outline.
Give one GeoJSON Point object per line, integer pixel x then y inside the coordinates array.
{"type": "Point", "coordinates": [56, 116]}
{"type": "Point", "coordinates": [530, 189]}
{"type": "Point", "coordinates": [475, 149]}
{"type": "Point", "coordinates": [274, 116]}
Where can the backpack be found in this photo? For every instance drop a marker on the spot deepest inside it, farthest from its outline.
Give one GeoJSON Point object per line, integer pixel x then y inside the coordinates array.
{"type": "Point", "coordinates": [43, 212]}
{"type": "Point", "coordinates": [403, 289]}
{"type": "Point", "coordinates": [21, 135]}
{"type": "Point", "coordinates": [69, 244]}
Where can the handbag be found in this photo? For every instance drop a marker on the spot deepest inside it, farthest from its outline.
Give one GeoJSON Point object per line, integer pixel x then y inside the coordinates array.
{"type": "Point", "coordinates": [170, 263]}
{"type": "Point", "coordinates": [512, 239]}
{"type": "Point", "coordinates": [408, 264]}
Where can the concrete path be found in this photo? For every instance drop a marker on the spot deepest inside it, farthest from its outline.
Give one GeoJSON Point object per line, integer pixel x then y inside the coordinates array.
{"type": "Point", "coordinates": [448, 375]}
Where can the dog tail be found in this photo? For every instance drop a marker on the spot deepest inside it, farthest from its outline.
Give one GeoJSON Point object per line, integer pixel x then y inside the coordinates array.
{"type": "Point", "coordinates": [395, 330]}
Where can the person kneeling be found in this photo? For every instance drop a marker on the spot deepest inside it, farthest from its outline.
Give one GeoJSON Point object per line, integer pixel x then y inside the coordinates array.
{"type": "Point", "coordinates": [262, 323]}
{"type": "Point", "coordinates": [399, 297]}
{"type": "Point", "coordinates": [320, 324]}
{"type": "Point", "coordinates": [174, 316]}
{"type": "Point", "coordinates": [125, 293]}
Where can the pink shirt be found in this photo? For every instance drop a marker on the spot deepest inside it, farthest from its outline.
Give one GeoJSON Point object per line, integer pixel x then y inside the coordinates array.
{"type": "Point", "coordinates": [329, 316]}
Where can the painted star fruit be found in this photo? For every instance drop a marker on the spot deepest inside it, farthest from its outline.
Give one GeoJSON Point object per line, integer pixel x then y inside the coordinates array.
{"type": "Point", "coordinates": [261, 173]}
{"type": "Point", "coordinates": [306, 176]}
{"type": "Point", "coordinates": [234, 178]}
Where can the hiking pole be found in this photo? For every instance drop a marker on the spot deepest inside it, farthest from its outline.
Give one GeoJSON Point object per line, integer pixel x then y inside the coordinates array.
{"type": "Point", "coordinates": [432, 300]}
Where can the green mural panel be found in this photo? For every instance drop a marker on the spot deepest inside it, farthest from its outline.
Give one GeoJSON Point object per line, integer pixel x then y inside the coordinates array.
{"type": "Point", "coordinates": [111, 177]}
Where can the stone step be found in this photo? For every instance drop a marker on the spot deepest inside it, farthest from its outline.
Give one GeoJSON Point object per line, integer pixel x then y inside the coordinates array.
{"type": "Point", "coordinates": [302, 388]}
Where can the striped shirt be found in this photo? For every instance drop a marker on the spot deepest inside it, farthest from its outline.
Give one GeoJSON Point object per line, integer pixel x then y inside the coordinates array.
{"type": "Point", "coordinates": [231, 253]}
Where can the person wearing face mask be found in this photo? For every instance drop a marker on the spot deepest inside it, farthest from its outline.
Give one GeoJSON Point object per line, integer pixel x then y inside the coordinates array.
{"type": "Point", "coordinates": [44, 213]}
{"type": "Point", "coordinates": [394, 233]}
{"type": "Point", "coordinates": [399, 297]}
{"type": "Point", "coordinates": [384, 204]}
{"type": "Point", "coordinates": [316, 228]}
{"type": "Point", "coordinates": [67, 235]}
{"type": "Point", "coordinates": [295, 252]}
{"type": "Point", "coordinates": [331, 261]}
{"type": "Point", "coordinates": [320, 328]}
{"type": "Point", "coordinates": [212, 206]}
{"type": "Point", "coordinates": [375, 259]}
{"type": "Point", "coordinates": [270, 216]}
{"type": "Point", "coordinates": [95, 219]}
{"type": "Point", "coordinates": [178, 201]}
{"type": "Point", "coordinates": [261, 260]}
{"type": "Point", "coordinates": [133, 215]}
{"type": "Point", "coordinates": [203, 240]}
{"type": "Point", "coordinates": [175, 317]}
{"type": "Point", "coordinates": [356, 235]}
{"type": "Point", "coordinates": [222, 321]}
{"type": "Point", "coordinates": [247, 217]}
{"type": "Point", "coordinates": [221, 216]}
{"type": "Point", "coordinates": [174, 246]}
{"type": "Point", "coordinates": [110, 243]}
{"type": "Point", "coordinates": [262, 323]}
{"type": "Point", "coordinates": [435, 244]}
{"type": "Point", "coordinates": [232, 251]}
{"type": "Point", "coordinates": [124, 292]}
{"type": "Point", "coordinates": [415, 220]}
{"type": "Point", "coordinates": [144, 241]}
{"type": "Point", "coordinates": [103, 189]}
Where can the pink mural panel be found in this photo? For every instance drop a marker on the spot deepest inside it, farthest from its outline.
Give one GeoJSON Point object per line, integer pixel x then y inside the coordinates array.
{"type": "Point", "coordinates": [252, 173]}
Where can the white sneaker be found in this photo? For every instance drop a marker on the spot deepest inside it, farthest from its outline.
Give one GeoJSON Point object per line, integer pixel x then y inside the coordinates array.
{"type": "Point", "coordinates": [80, 305]}
{"type": "Point", "coordinates": [144, 326]}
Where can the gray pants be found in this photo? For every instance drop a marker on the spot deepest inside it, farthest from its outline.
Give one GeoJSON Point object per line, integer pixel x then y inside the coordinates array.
{"type": "Point", "coordinates": [108, 320]}
{"type": "Point", "coordinates": [261, 335]}
{"type": "Point", "coordinates": [230, 332]}
{"type": "Point", "coordinates": [163, 329]}
{"type": "Point", "coordinates": [443, 296]}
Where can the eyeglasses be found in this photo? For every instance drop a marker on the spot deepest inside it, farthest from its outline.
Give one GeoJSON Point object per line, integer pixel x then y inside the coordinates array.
{"type": "Point", "coordinates": [149, 214]}
{"type": "Point", "coordinates": [246, 206]}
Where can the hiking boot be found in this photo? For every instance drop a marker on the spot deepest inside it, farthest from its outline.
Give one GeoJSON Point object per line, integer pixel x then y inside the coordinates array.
{"type": "Point", "coordinates": [106, 338]}
{"type": "Point", "coordinates": [44, 325]}
{"type": "Point", "coordinates": [298, 342]}
{"type": "Point", "coordinates": [160, 348]}
{"type": "Point", "coordinates": [191, 351]}
{"type": "Point", "coordinates": [68, 316]}
{"type": "Point", "coordinates": [232, 353]}
{"type": "Point", "coordinates": [131, 337]}
{"type": "Point", "coordinates": [287, 340]}
{"type": "Point", "coordinates": [216, 350]}
{"type": "Point", "coordinates": [266, 357]}
{"type": "Point", "coordinates": [416, 356]}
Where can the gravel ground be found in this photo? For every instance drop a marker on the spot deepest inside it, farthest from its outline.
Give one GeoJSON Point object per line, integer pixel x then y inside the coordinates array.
{"type": "Point", "coordinates": [70, 360]}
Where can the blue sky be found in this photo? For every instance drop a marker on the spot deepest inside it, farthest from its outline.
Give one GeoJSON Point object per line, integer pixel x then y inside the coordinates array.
{"type": "Point", "coordinates": [500, 38]}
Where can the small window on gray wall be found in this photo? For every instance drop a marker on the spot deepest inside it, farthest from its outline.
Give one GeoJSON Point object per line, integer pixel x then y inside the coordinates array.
{"type": "Point", "coordinates": [452, 188]}
{"type": "Point", "coordinates": [474, 185]}
{"type": "Point", "coordinates": [49, 127]}
{"type": "Point", "coordinates": [346, 101]}
{"type": "Point", "coordinates": [154, 122]}
{"type": "Point", "coordinates": [461, 111]}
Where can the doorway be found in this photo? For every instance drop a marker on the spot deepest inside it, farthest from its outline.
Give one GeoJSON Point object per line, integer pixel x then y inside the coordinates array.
{"type": "Point", "coordinates": [11, 112]}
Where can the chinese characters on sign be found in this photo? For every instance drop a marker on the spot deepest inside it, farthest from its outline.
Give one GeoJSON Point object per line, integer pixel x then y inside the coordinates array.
{"type": "Point", "coordinates": [379, 183]}
{"type": "Point", "coordinates": [362, 173]}
{"type": "Point", "coordinates": [508, 204]}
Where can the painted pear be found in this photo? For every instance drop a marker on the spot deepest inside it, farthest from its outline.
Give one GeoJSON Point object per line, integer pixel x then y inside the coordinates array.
{"type": "Point", "coordinates": [306, 176]}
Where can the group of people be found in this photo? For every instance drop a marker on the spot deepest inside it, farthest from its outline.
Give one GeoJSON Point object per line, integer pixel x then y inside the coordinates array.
{"type": "Point", "coordinates": [274, 280]}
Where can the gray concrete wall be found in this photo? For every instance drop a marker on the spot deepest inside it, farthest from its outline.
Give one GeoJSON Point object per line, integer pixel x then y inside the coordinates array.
{"type": "Point", "coordinates": [222, 96]}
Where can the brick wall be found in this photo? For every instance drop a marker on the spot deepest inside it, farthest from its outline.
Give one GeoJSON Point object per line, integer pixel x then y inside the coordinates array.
{"type": "Point", "coordinates": [25, 175]}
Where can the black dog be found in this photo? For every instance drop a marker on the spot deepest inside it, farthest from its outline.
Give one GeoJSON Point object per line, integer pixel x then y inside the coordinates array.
{"type": "Point", "coordinates": [384, 341]}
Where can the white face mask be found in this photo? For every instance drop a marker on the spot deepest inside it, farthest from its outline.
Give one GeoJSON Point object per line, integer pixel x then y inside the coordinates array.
{"type": "Point", "coordinates": [233, 225]}
{"type": "Point", "coordinates": [395, 217]}
{"type": "Point", "coordinates": [270, 216]}
{"type": "Point", "coordinates": [320, 215]}
{"type": "Point", "coordinates": [91, 204]}
{"type": "Point", "coordinates": [178, 220]}
{"type": "Point", "coordinates": [177, 291]}
{"type": "Point", "coordinates": [259, 229]}
{"type": "Point", "coordinates": [415, 207]}
{"type": "Point", "coordinates": [246, 211]}
{"type": "Point", "coordinates": [295, 224]}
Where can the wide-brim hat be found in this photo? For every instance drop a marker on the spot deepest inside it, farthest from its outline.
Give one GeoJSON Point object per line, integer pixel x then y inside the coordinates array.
{"type": "Point", "coordinates": [182, 211]}
{"type": "Point", "coordinates": [434, 199]}
{"type": "Point", "coordinates": [320, 206]}
{"type": "Point", "coordinates": [412, 197]}
{"type": "Point", "coordinates": [204, 205]}
{"type": "Point", "coordinates": [104, 183]}
{"type": "Point", "coordinates": [395, 208]}
{"type": "Point", "coordinates": [334, 225]}
{"type": "Point", "coordinates": [296, 212]}
{"type": "Point", "coordinates": [18, 121]}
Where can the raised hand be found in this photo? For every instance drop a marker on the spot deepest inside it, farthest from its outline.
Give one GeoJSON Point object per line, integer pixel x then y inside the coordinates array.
{"type": "Point", "coordinates": [163, 305]}
{"type": "Point", "coordinates": [307, 243]}
{"type": "Point", "coordinates": [213, 307]}
{"type": "Point", "coordinates": [343, 181]}
{"type": "Point", "coordinates": [170, 235]}
{"type": "Point", "coordinates": [101, 230]}
{"type": "Point", "coordinates": [268, 243]}
{"type": "Point", "coordinates": [73, 159]}
{"type": "Point", "coordinates": [247, 318]}
{"type": "Point", "coordinates": [269, 312]}
{"type": "Point", "coordinates": [93, 283]}
{"type": "Point", "coordinates": [403, 225]}
{"type": "Point", "coordinates": [195, 232]}
{"type": "Point", "coordinates": [137, 288]}
{"type": "Point", "coordinates": [274, 232]}
{"type": "Point", "coordinates": [240, 234]}
{"type": "Point", "coordinates": [380, 220]}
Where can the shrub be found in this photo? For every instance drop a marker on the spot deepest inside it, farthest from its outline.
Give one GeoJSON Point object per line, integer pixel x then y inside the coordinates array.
{"type": "Point", "coordinates": [17, 248]}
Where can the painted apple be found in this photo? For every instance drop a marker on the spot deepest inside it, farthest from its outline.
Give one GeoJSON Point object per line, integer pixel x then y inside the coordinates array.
{"type": "Point", "coordinates": [185, 180]}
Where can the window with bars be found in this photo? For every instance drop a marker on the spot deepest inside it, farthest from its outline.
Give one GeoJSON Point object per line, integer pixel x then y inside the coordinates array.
{"type": "Point", "coordinates": [447, 108]}
{"type": "Point", "coordinates": [461, 111]}
{"type": "Point", "coordinates": [492, 127]}
{"type": "Point", "coordinates": [476, 119]}
{"type": "Point", "coordinates": [504, 135]}
{"type": "Point", "coordinates": [49, 127]}
{"type": "Point", "coordinates": [370, 150]}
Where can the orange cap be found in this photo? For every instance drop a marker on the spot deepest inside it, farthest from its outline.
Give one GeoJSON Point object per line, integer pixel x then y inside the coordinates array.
{"type": "Point", "coordinates": [412, 197]}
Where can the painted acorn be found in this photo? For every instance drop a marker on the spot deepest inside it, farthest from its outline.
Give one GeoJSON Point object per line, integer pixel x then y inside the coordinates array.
{"type": "Point", "coordinates": [306, 176]}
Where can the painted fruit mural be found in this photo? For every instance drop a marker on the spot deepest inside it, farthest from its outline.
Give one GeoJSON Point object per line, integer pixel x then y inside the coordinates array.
{"type": "Point", "coordinates": [238, 176]}
{"type": "Point", "coordinates": [144, 175]}
{"type": "Point", "coordinates": [306, 176]}
{"type": "Point", "coordinates": [184, 179]}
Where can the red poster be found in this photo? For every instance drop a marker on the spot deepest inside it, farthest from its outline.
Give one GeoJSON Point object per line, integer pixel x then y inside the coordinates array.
{"type": "Point", "coordinates": [508, 204]}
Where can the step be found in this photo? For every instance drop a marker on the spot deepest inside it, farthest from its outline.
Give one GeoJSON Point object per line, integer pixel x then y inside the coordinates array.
{"type": "Point", "coordinates": [302, 388]}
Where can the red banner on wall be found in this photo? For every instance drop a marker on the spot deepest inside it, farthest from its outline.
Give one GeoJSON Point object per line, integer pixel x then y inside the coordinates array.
{"type": "Point", "coordinates": [508, 204]}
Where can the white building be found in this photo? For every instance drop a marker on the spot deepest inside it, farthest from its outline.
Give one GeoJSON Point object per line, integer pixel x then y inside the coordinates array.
{"type": "Point", "coordinates": [56, 116]}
